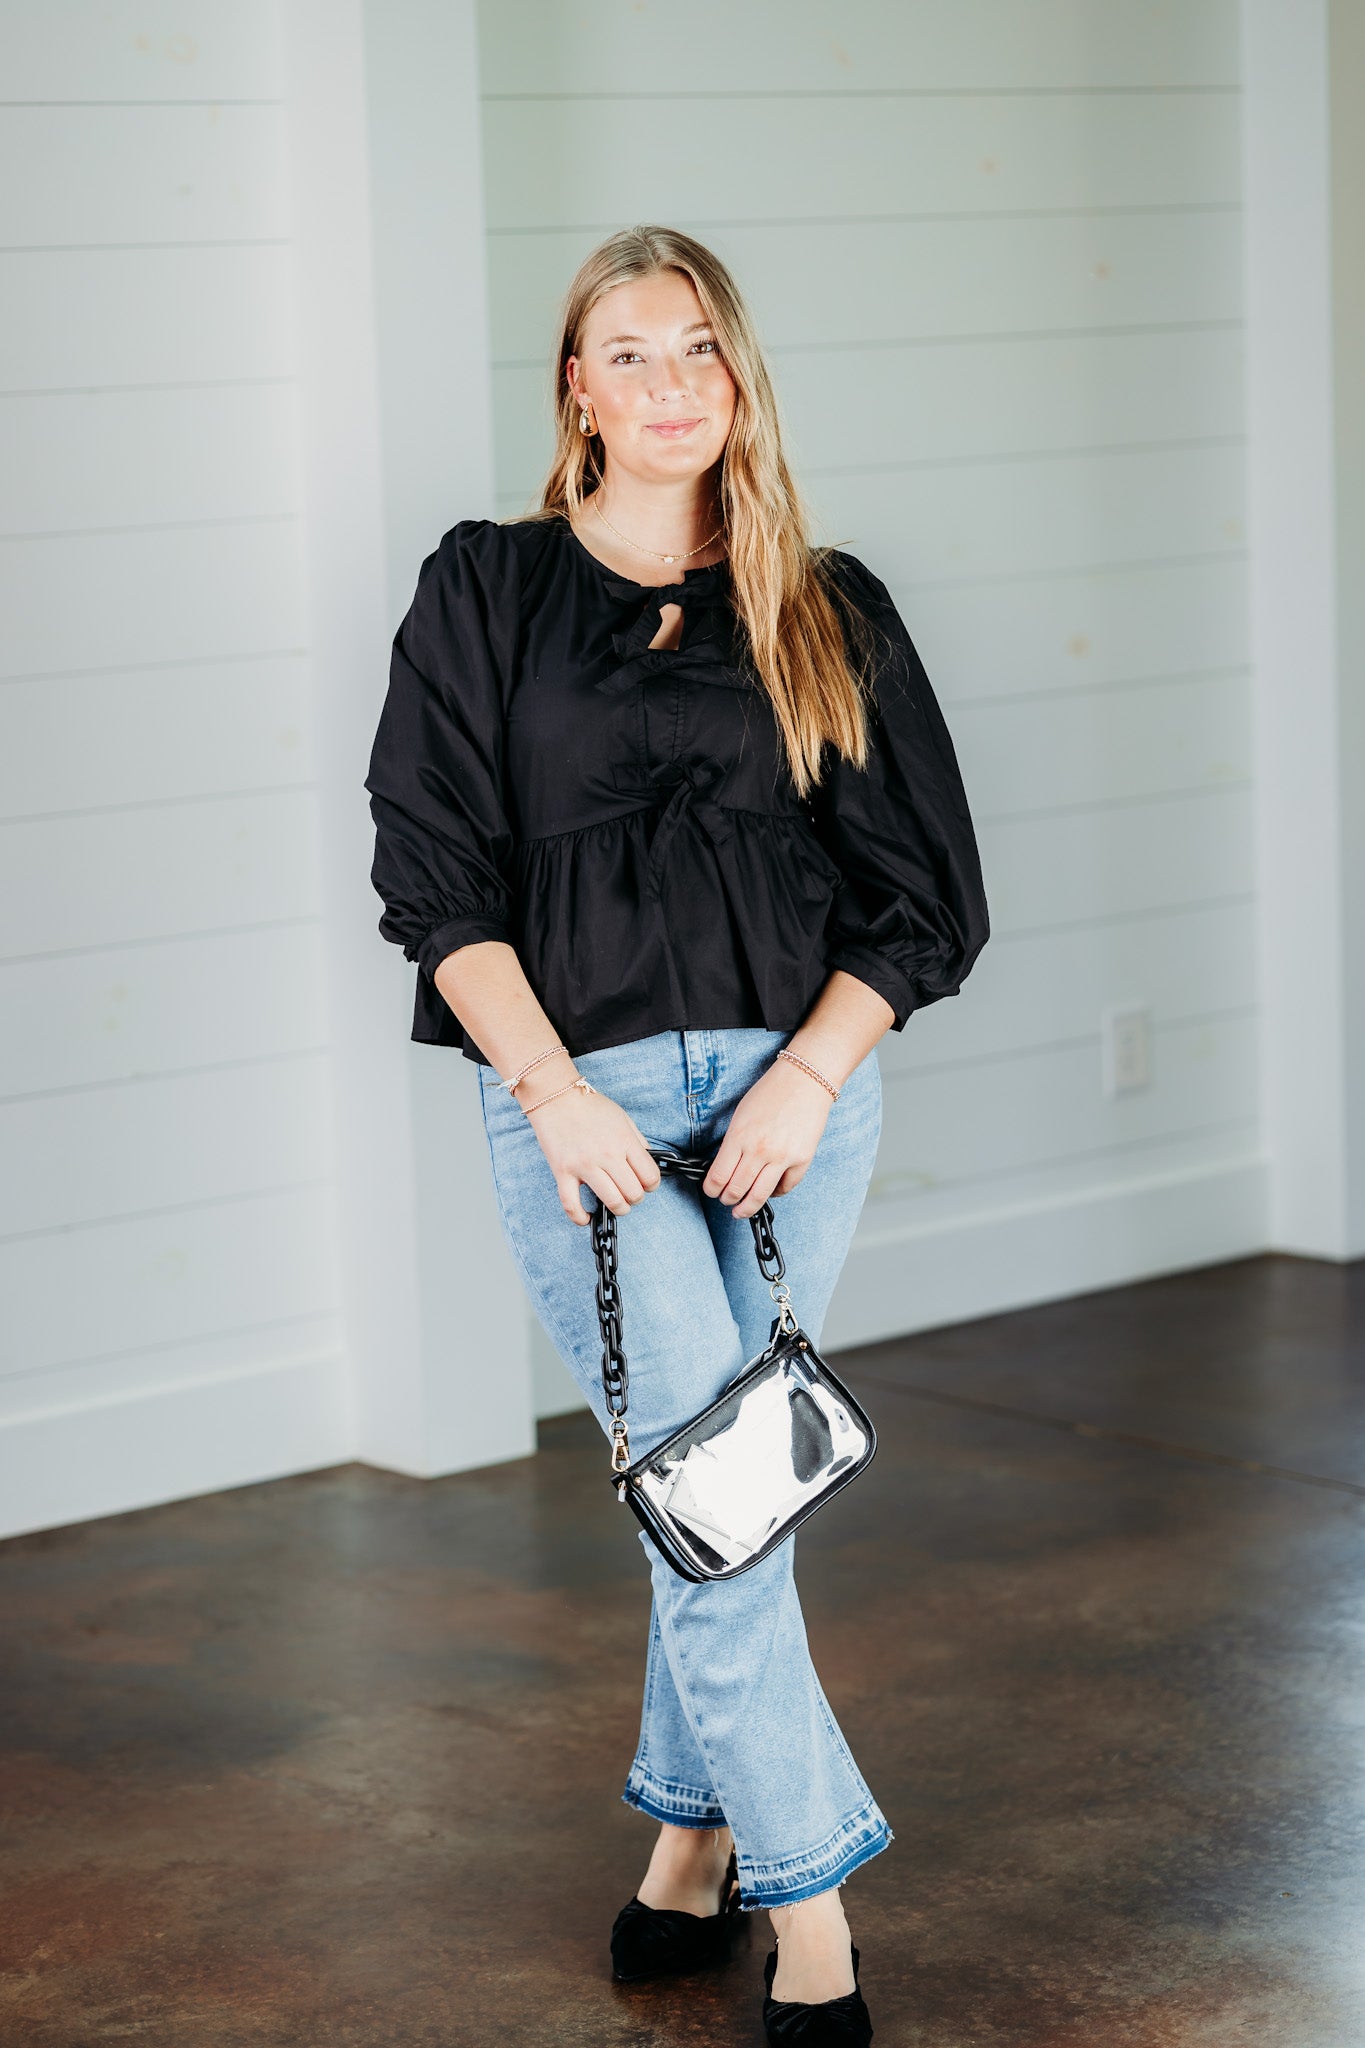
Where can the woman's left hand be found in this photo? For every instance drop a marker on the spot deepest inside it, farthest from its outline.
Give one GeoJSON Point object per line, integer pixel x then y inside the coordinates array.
{"type": "Point", "coordinates": [770, 1140]}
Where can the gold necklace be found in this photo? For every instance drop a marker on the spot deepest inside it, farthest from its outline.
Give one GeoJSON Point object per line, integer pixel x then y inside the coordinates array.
{"type": "Point", "coordinates": [654, 551]}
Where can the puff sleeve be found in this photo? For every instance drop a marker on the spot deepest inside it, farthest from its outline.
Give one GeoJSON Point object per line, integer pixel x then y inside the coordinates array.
{"type": "Point", "coordinates": [910, 915]}
{"type": "Point", "coordinates": [443, 840]}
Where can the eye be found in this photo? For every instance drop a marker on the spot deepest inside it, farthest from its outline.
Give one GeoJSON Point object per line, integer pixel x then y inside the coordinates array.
{"type": "Point", "coordinates": [713, 346]}
{"type": "Point", "coordinates": [626, 354]}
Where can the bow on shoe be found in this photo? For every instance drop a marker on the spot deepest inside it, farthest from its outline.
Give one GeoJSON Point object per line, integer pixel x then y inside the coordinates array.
{"type": "Point", "coordinates": [832, 2023]}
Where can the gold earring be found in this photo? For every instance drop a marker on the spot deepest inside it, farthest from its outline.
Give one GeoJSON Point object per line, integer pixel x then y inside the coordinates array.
{"type": "Point", "coordinates": [585, 420]}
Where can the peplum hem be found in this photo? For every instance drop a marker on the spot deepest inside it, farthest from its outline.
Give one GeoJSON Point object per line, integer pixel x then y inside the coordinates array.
{"type": "Point", "coordinates": [609, 913]}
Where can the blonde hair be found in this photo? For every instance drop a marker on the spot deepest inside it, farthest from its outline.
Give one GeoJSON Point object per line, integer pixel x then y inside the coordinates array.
{"type": "Point", "coordinates": [782, 591]}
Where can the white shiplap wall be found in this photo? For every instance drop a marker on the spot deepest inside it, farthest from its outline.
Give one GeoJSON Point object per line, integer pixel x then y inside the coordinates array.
{"type": "Point", "coordinates": [167, 1257]}
{"type": "Point", "coordinates": [994, 252]}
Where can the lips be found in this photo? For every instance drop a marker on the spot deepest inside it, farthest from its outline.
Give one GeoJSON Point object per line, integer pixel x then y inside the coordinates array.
{"type": "Point", "coordinates": [672, 430]}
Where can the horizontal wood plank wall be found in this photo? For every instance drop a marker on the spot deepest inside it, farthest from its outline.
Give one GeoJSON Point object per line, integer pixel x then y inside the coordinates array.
{"type": "Point", "coordinates": [167, 1254]}
{"type": "Point", "coordinates": [994, 253]}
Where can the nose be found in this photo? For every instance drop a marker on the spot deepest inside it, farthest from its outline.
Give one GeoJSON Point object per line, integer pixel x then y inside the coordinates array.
{"type": "Point", "coordinates": [670, 379]}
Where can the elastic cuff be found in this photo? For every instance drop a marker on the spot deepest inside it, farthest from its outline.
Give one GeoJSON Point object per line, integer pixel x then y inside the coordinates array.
{"type": "Point", "coordinates": [682, 1806]}
{"type": "Point", "coordinates": [868, 966]}
{"type": "Point", "coordinates": [458, 931]}
{"type": "Point", "coordinates": [822, 1869]}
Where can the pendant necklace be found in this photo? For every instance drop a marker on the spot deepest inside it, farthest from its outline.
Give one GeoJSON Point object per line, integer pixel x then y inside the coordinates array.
{"type": "Point", "coordinates": [680, 557]}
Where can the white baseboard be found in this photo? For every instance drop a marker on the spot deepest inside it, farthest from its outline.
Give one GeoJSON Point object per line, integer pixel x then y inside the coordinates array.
{"type": "Point", "coordinates": [914, 1277]}
{"type": "Point", "coordinates": [103, 1457]}
{"type": "Point", "coordinates": [136, 1450]}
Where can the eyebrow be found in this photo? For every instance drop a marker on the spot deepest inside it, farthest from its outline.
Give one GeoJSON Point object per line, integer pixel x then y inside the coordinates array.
{"type": "Point", "coordinates": [695, 328]}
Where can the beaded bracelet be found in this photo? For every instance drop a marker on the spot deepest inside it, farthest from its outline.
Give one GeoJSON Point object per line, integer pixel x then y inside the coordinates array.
{"type": "Point", "coordinates": [582, 1083]}
{"type": "Point", "coordinates": [548, 1054]}
{"type": "Point", "coordinates": [807, 1068]}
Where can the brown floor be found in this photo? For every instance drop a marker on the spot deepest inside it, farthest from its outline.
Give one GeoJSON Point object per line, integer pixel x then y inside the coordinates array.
{"type": "Point", "coordinates": [337, 1760]}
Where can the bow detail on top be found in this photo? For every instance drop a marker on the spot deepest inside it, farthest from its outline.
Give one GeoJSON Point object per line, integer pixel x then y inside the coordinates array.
{"type": "Point", "coordinates": [703, 662]}
{"type": "Point", "coordinates": [689, 786]}
{"type": "Point", "coordinates": [702, 658]}
{"type": "Point", "coordinates": [705, 583]}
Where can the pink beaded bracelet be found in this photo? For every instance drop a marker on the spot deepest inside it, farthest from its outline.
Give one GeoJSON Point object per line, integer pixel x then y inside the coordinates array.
{"type": "Point", "coordinates": [807, 1068]}
{"type": "Point", "coordinates": [548, 1054]}
{"type": "Point", "coordinates": [582, 1084]}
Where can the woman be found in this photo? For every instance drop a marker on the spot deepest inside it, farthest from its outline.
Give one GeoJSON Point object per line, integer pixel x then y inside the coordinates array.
{"type": "Point", "coordinates": [668, 816]}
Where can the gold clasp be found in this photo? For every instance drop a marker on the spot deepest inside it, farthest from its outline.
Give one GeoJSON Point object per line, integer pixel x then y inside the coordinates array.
{"type": "Point", "coordinates": [620, 1457]}
{"type": "Point", "coordinates": [781, 1294]}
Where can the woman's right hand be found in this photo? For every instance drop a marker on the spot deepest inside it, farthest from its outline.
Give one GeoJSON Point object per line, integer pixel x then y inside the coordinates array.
{"type": "Point", "coordinates": [591, 1139]}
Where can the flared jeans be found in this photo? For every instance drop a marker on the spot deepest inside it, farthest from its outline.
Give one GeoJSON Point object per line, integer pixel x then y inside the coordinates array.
{"type": "Point", "coordinates": [735, 1727]}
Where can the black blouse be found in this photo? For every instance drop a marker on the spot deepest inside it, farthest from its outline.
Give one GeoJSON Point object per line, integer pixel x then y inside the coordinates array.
{"type": "Point", "coordinates": [625, 816]}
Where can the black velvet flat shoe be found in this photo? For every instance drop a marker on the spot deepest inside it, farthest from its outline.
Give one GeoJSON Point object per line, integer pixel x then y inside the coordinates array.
{"type": "Point", "coordinates": [832, 2023]}
{"type": "Point", "coordinates": [656, 1941]}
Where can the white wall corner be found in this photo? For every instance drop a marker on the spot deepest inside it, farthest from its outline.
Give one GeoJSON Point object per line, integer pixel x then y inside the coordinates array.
{"type": "Point", "coordinates": [1347, 117]}
{"type": "Point", "coordinates": [1302, 240]}
{"type": "Point", "coordinates": [396, 444]}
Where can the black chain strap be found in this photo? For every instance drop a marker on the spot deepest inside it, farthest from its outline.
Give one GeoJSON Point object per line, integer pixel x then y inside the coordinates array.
{"type": "Point", "coordinates": [615, 1376]}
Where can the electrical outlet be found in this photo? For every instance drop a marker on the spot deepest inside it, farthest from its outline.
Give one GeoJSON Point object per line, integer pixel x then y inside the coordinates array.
{"type": "Point", "coordinates": [1125, 1049]}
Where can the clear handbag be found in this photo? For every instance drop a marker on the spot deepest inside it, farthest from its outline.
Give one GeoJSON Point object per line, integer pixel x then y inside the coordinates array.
{"type": "Point", "coordinates": [784, 1437]}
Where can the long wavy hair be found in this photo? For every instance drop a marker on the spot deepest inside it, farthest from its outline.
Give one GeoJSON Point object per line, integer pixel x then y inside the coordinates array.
{"type": "Point", "coordinates": [809, 644]}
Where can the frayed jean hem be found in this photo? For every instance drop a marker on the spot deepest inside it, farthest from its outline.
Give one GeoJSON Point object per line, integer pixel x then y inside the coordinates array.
{"type": "Point", "coordinates": [681, 1806]}
{"type": "Point", "coordinates": [824, 1869]}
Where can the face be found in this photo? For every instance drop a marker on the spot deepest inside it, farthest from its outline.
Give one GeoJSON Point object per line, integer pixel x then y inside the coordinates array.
{"type": "Point", "coordinates": [662, 398]}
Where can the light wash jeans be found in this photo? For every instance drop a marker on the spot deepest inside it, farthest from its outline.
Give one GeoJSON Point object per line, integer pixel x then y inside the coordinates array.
{"type": "Point", "coordinates": [735, 1727]}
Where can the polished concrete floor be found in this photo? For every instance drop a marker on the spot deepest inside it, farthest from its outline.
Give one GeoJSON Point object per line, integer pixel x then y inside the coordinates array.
{"type": "Point", "coordinates": [337, 1760]}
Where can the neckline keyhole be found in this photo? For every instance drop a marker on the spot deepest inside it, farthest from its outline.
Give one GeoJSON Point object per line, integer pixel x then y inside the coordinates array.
{"type": "Point", "coordinates": [670, 626]}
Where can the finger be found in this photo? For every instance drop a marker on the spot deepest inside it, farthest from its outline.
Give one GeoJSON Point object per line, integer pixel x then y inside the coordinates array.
{"type": "Point", "coordinates": [722, 1166]}
{"type": "Point", "coordinates": [646, 1167]}
{"type": "Point", "coordinates": [606, 1190]}
{"type": "Point", "coordinates": [628, 1180]}
{"type": "Point", "coordinates": [645, 1164]}
{"type": "Point", "coordinates": [764, 1182]}
{"type": "Point", "coordinates": [741, 1179]}
{"type": "Point", "coordinates": [568, 1185]}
